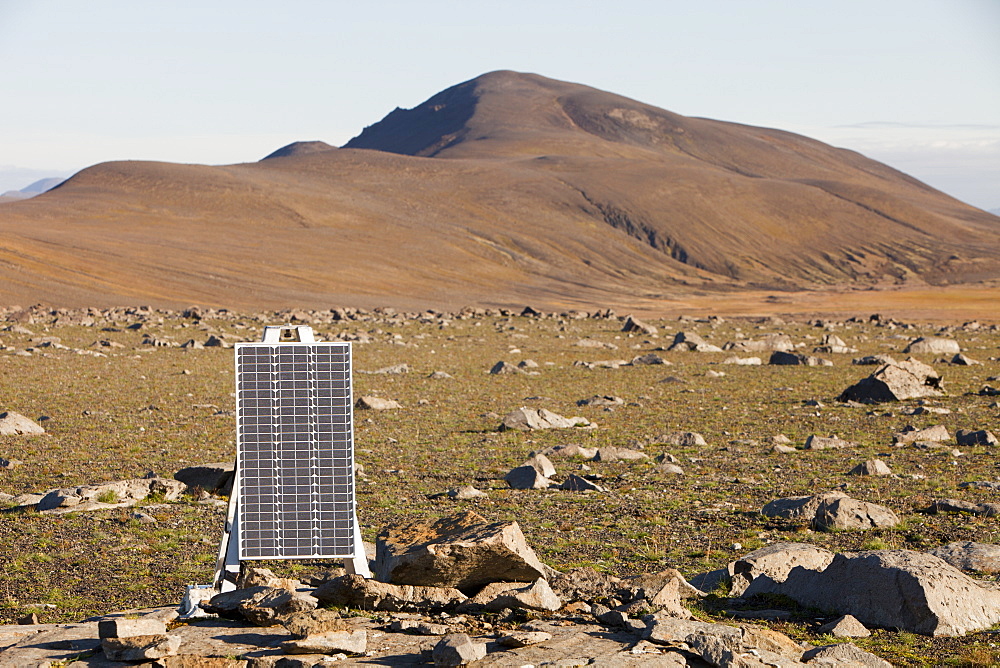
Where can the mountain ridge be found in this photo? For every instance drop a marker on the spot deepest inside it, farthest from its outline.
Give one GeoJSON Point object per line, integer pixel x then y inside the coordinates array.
{"type": "Point", "coordinates": [506, 188]}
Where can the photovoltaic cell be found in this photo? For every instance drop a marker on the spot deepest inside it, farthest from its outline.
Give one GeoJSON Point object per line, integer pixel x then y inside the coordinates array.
{"type": "Point", "coordinates": [295, 450]}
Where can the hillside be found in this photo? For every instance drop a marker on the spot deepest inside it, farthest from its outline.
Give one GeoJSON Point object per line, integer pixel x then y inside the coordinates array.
{"type": "Point", "coordinates": [506, 189]}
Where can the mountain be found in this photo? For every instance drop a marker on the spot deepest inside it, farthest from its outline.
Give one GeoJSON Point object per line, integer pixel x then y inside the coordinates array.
{"type": "Point", "coordinates": [509, 188]}
{"type": "Point", "coordinates": [37, 188]}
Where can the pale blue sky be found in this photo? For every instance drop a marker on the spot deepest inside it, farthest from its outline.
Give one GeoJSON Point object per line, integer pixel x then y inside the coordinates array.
{"type": "Point", "coordinates": [914, 83]}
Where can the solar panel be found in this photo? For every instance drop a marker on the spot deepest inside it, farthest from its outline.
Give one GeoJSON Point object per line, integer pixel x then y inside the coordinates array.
{"type": "Point", "coordinates": [295, 451]}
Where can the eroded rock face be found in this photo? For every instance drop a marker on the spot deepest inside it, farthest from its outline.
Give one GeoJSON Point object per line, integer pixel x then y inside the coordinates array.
{"type": "Point", "coordinates": [463, 551]}
{"type": "Point", "coordinates": [901, 589]}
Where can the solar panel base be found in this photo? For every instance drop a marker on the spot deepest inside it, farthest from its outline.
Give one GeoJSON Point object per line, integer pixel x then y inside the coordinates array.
{"type": "Point", "coordinates": [295, 451]}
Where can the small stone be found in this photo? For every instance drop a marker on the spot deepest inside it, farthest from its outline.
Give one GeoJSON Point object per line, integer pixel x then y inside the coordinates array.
{"type": "Point", "coordinates": [466, 492]}
{"type": "Point", "coordinates": [504, 368]}
{"type": "Point", "coordinates": [376, 403]}
{"type": "Point", "coordinates": [846, 626]}
{"type": "Point", "coordinates": [871, 467]}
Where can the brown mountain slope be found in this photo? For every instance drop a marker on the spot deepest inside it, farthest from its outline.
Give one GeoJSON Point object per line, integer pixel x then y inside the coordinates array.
{"type": "Point", "coordinates": [510, 188]}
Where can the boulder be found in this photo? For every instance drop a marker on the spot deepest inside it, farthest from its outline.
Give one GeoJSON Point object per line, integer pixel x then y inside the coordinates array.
{"type": "Point", "coordinates": [767, 343]}
{"type": "Point", "coordinates": [970, 437]}
{"type": "Point", "coordinates": [874, 360]}
{"type": "Point", "coordinates": [845, 513]}
{"type": "Point", "coordinates": [314, 622]}
{"type": "Point", "coordinates": [692, 342]}
{"type": "Point", "coordinates": [900, 381]}
{"type": "Point", "coordinates": [780, 357]}
{"type": "Point", "coordinates": [871, 467]}
{"type": "Point", "coordinates": [964, 360]}
{"type": "Point", "coordinates": [569, 450]}
{"type": "Point", "coordinates": [541, 463]}
{"type": "Point", "coordinates": [376, 403]}
{"type": "Point", "coordinates": [466, 492]}
{"type": "Point", "coordinates": [633, 324]}
{"type": "Point", "coordinates": [933, 345]}
{"type": "Point", "coordinates": [331, 642]}
{"type": "Point", "coordinates": [262, 606]}
{"type": "Point", "coordinates": [504, 368]}
{"type": "Point", "coordinates": [215, 477]}
{"type": "Point", "coordinates": [526, 477]}
{"type": "Point", "coordinates": [525, 419]}
{"type": "Point", "coordinates": [827, 443]}
{"type": "Point", "coordinates": [575, 483]}
{"type": "Point", "coordinates": [15, 424]}
{"type": "Point", "coordinates": [775, 561]}
{"type": "Point", "coordinates": [463, 551]}
{"type": "Point", "coordinates": [936, 434]}
{"type": "Point", "coordinates": [742, 361]}
{"type": "Point", "coordinates": [611, 453]}
{"type": "Point", "coordinates": [798, 508]}
{"type": "Point", "coordinates": [844, 654]}
{"type": "Point", "coordinates": [845, 626]}
{"type": "Point", "coordinates": [970, 556]}
{"type": "Point", "coordinates": [832, 343]}
{"type": "Point", "coordinates": [959, 506]}
{"type": "Point", "coordinates": [649, 359]}
{"type": "Point", "coordinates": [687, 439]}
{"type": "Point", "coordinates": [457, 649]}
{"type": "Point", "coordinates": [354, 591]}
{"type": "Point", "coordinates": [901, 589]}
{"type": "Point", "coordinates": [499, 595]}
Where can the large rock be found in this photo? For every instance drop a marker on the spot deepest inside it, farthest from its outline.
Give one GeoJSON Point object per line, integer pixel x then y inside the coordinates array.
{"type": "Point", "coordinates": [911, 434]}
{"type": "Point", "coordinates": [331, 642]}
{"type": "Point", "coordinates": [526, 477]}
{"type": "Point", "coordinates": [499, 595]}
{"type": "Point", "coordinates": [871, 467]}
{"type": "Point", "coordinates": [463, 551]}
{"type": "Point", "coordinates": [214, 477]}
{"type": "Point", "coordinates": [457, 649]}
{"type": "Point", "coordinates": [354, 591]}
{"type": "Point", "coordinates": [780, 357]}
{"type": "Point", "coordinates": [15, 424]}
{"type": "Point", "coordinates": [798, 508]}
{"type": "Point", "coordinates": [263, 606]}
{"type": "Point", "coordinates": [767, 343]}
{"type": "Point", "coordinates": [844, 654]}
{"type": "Point", "coordinates": [633, 324]}
{"type": "Point", "coordinates": [899, 589]}
{"type": "Point", "coordinates": [971, 437]}
{"type": "Point", "coordinates": [775, 561]}
{"type": "Point", "coordinates": [901, 381]}
{"type": "Point", "coordinates": [846, 513]}
{"type": "Point", "coordinates": [933, 345]}
{"type": "Point", "coordinates": [693, 342]}
{"type": "Point", "coordinates": [140, 648]}
{"type": "Point", "coordinates": [524, 419]}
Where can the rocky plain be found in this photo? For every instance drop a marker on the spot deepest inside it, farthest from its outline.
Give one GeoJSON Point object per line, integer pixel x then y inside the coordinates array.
{"type": "Point", "coordinates": [565, 489]}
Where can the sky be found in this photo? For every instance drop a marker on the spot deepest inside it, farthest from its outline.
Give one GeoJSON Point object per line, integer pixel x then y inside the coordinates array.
{"type": "Point", "coordinates": [912, 83]}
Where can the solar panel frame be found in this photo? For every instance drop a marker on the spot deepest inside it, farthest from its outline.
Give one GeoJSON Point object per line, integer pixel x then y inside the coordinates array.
{"type": "Point", "coordinates": [295, 451]}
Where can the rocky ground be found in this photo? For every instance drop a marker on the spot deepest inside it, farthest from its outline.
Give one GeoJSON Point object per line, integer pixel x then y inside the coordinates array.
{"type": "Point", "coordinates": [685, 442]}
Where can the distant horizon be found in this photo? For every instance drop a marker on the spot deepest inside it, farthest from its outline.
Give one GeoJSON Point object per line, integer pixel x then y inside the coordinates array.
{"type": "Point", "coordinates": [914, 84]}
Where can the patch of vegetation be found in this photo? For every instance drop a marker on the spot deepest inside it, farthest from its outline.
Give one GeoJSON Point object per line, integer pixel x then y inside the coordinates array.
{"type": "Point", "coordinates": [133, 411]}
